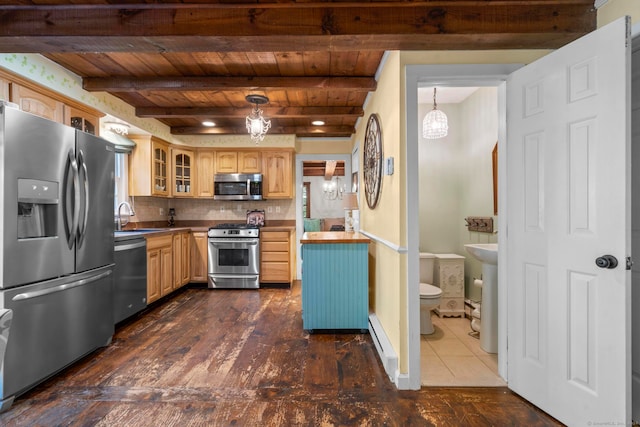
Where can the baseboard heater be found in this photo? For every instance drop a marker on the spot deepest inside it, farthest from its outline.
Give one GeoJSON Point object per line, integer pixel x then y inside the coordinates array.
{"type": "Point", "coordinates": [387, 354]}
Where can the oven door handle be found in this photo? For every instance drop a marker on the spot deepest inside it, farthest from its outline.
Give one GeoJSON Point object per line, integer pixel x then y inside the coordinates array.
{"type": "Point", "coordinates": [252, 242]}
{"type": "Point", "coordinates": [233, 276]}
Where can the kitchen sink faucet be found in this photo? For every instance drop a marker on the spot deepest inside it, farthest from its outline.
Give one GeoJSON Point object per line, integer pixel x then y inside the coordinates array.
{"type": "Point", "coordinates": [119, 223]}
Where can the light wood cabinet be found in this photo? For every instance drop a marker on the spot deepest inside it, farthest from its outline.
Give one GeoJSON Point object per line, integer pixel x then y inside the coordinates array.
{"type": "Point", "coordinates": [277, 256]}
{"type": "Point", "coordinates": [183, 172]}
{"type": "Point", "coordinates": [226, 162]}
{"type": "Point", "coordinates": [4, 89]}
{"type": "Point", "coordinates": [205, 169]}
{"type": "Point", "coordinates": [81, 120]}
{"type": "Point", "coordinates": [238, 162]}
{"type": "Point", "coordinates": [149, 167]}
{"type": "Point", "coordinates": [277, 169]}
{"type": "Point", "coordinates": [181, 261]}
{"type": "Point", "coordinates": [249, 162]}
{"type": "Point", "coordinates": [186, 258]}
{"type": "Point", "coordinates": [199, 257]}
{"type": "Point", "coordinates": [159, 267]}
{"type": "Point", "coordinates": [37, 103]}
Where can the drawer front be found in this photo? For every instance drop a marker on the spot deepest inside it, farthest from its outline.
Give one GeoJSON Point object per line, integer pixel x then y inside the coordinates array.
{"type": "Point", "coordinates": [274, 235]}
{"type": "Point", "coordinates": [275, 257]}
{"type": "Point", "coordinates": [274, 272]}
{"type": "Point", "coordinates": [275, 246]}
{"type": "Point", "coordinates": [159, 242]}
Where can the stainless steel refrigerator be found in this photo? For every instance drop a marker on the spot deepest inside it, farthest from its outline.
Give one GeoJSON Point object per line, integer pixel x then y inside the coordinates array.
{"type": "Point", "coordinates": [56, 251]}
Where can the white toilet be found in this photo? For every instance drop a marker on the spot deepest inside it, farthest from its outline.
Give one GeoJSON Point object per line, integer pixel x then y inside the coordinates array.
{"type": "Point", "coordinates": [429, 294]}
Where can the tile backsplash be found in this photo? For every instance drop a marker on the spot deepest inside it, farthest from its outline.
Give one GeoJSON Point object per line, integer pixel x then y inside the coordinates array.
{"type": "Point", "coordinates": [157, 209]}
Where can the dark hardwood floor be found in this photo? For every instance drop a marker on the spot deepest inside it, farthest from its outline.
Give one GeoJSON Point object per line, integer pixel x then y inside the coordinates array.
{"type": "Point", "coordinates": [217, 358]}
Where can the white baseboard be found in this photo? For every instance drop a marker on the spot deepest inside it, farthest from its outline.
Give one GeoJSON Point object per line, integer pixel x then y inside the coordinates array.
{"type": "Point", "coordinates": [385, 350]}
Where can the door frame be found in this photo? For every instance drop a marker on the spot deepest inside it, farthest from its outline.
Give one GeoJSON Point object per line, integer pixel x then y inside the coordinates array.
{"type": "Point", "coordinates": [459, 75]}
{"type": "Point", "coordinates": [300, 158]}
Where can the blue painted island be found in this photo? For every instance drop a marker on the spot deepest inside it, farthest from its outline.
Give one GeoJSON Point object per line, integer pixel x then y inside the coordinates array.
{"type": "Point", "coordinates": [335, 280]}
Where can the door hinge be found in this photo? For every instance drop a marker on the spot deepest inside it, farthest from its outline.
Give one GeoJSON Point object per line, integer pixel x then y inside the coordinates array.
{"type": "Point", "coordinates": [629, 263]}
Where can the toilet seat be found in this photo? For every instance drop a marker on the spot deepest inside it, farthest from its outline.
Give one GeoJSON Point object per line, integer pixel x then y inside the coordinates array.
{"type": "Point", "coordinates": [428, 291]}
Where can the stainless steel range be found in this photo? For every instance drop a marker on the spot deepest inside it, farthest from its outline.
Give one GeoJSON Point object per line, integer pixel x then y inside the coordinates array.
{"type": "Point", "coordinates": [234, 256]}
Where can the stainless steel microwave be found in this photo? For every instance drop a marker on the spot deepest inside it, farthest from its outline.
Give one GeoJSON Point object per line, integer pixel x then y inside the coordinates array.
{"type": "Point", "coordinates": [237, 186]}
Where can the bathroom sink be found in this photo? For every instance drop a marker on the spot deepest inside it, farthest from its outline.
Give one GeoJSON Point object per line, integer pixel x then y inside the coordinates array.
{"type": "Point", "coordinates": [486, 253]}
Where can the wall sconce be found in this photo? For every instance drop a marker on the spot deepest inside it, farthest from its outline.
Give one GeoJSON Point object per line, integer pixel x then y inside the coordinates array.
{"type": "Point", "coordinates": [257, 126]}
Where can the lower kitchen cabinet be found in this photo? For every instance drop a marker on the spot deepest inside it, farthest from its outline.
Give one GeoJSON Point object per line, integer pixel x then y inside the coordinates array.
{"type": "Point", "coordinates": [159, 267]}
{"type": "Point", "coordinates": [181, 261]}
{"type": "Point", "coordinates": [335, 281]}
{"type": "Point", "coordinates": [199, 249]}
{"type": "Point", "coordinates": [277, 262]}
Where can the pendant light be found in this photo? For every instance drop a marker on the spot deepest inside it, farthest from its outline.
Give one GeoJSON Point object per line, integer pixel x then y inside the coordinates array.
{"type": "Point", "coordinates": [257, 126]}
{"type": "Point", "coordinates": [435, 125]}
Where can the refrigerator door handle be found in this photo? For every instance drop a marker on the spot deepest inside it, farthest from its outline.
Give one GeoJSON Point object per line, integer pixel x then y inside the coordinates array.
{"type": "Point", "coordinates": [29, 295]}
{"type": "Point", "coordinates": [75, 216]}
{"type": "Point", "coordinates": [82, 167]}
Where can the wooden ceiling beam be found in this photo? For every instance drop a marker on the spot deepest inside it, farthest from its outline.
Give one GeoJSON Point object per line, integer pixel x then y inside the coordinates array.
{"type": "Point", "coordinates": [196, 83]}
{"type": "Point", "coordinates": [330, 169]}
{"type": "Point", "coordinates": [281, 112]}
{"type": "Point", "coordinates": [290, 26]}
{"type": "Point", "coordinates": [301, 131]}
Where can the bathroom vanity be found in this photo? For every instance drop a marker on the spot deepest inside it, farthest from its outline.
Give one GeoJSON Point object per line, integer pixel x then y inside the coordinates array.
{"type": "Point", "coordinates": [335, 281]}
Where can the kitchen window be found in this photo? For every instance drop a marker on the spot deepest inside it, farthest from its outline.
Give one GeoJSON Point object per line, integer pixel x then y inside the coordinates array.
{"type": "Point", "coordinates": [121, 193]}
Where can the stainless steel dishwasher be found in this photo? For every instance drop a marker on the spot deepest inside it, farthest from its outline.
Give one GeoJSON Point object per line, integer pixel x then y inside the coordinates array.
{"type": "Point", "coordinates": [130, 281]}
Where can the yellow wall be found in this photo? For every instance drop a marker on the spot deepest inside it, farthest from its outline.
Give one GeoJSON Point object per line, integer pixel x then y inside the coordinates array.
{"type": "Point", "coordinates": [324, 146]}
{"type": "Point", "coordinates": [388, 267]}
{"type": "Point", "coordinates": [386, 221]}
{"type": "Point", "coordinates": [614, 9]}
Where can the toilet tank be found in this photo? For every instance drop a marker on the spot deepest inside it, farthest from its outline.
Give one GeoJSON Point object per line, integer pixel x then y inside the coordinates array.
{"type": "Point", "coordinates": [426, 267]}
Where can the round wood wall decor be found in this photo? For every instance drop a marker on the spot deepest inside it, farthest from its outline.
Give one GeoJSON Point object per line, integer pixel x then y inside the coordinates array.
{"type": "Point", "coordinates": [372, 162]}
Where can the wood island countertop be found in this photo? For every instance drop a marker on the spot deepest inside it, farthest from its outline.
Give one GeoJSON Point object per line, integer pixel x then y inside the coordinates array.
{"type": "Point", "coordinates": [326, 237]}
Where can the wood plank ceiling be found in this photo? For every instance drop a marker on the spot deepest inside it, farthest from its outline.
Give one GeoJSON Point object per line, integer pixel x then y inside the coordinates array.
{"type": "Point", "coordinates": [183, 62]}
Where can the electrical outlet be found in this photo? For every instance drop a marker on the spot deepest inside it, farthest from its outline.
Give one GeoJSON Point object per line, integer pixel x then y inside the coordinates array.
{"type": "Point", "coordinates": [161, 211]}
{"type": "Point", "coordinates": [221, 208]}
{"type": "Point", "coordinates": [277, 209]}
{"type": "Point", "coordinates": [270, 209]}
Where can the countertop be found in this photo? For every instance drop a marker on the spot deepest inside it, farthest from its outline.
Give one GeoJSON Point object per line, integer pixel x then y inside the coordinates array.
{"type": "Point", "coordinates": [326, 237]}
{"type": "Point", "coordinates": [134, 233]}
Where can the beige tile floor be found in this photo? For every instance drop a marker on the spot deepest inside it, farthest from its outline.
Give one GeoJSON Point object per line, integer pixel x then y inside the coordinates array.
{"type": "Point", "coordinates": [451, 357]}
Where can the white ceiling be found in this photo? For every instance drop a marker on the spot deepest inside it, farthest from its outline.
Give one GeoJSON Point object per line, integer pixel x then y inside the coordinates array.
{"type": "Point", "coordinates": [444, 95]}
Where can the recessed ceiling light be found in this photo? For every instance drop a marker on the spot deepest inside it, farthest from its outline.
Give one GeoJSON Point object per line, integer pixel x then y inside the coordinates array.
{"type": "Point", "coordinates": [208, 123]}
{"type": "Point", "coordinates": [317, 123]}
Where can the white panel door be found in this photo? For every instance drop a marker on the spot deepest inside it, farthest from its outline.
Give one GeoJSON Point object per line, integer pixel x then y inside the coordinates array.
{"type": "Point", "coordinates": [568, 198]}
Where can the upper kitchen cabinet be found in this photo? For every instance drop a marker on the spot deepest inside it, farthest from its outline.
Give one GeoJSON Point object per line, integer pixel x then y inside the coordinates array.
{"type": "Point", "coordinates": [183, 168]}
{"type": "Point", "coordinates": [277, 169]}
{"type": "Point", "coordinates": [205, 165]}
{"type": "Point", "coordinates": [249, 162]}
{"type": "Point", "coordinates": [4, 89]}
{"type": "Point", "coordinates": [37, 103]}
{"type": "Point", "coordinates": [80, 119]}
{"type": "Point", "coordinates": [238, 162]}
{"type": "Point", "coordinates": [46, 103]}
{"type": "Point", "coordinates": [149, 167]}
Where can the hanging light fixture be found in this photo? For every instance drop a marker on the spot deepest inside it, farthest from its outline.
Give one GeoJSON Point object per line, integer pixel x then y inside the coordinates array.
{"type": "Point", "coordinates": [435, 125]}
{"type": "Point", "coordinates": [257, 126]}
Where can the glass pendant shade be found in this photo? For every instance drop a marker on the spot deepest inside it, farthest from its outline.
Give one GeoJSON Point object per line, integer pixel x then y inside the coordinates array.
{"type": "Point", "coordinates": [435, 124]}
{"type": "Point", "coordinates": [257, 126]}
